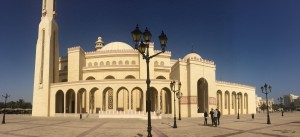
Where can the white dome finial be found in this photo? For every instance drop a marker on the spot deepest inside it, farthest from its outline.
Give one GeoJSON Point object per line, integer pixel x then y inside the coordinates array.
{"type": "Point", "coordinates": [99, 43]}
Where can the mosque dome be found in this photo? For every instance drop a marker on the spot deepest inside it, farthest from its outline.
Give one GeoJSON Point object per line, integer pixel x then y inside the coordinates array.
{"type": "Point", "coordinates": [193, 56]}
{"type": "Point", "coordinates": [117, 46]}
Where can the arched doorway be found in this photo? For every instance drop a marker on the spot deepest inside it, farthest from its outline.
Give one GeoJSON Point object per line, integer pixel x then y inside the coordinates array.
{"type": "Point", "coordinates": [246, 102]}
{"type": "Point", "coordinates": [122, 99]}
{"type": "Point", "coordinates": [202, 95]}
{"type": "Point", "coordinates": [227, 102]}
{"type": "Point", "coordinates": [219, 100]}
{"type": "Point", "coordinates": [70, 101]}
{"type": "Point", "coordinates": [108, 99]}
{"type": "Point", "coordinates": [241, 102]}
{"type": "Point", "coordinates": [234, 102]}
{"type": "Point", "coordinates": [154, 99]}
{"type": "Point", "coordinates": [81, 101]}
{"type": "Point", "coordinates": [166, 101]}
{"type": "Point", "coordinates": [94, 106]}
{"type": "Point", "coordinates": [59, 102]}
{"type": "Point", "coordinates": [137, 99]}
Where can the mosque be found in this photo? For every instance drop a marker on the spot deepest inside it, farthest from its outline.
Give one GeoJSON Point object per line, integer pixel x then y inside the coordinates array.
{"type": "Point", "coordinates": [111, 80]}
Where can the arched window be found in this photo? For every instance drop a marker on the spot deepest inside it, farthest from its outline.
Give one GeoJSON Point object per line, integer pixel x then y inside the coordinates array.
{"type": "Point", "coordinates": [107, 63]}
{"type": "Point", "coordinates": [126, 62]}
{"type": "Point", "coordinates": [101, 63]}
{"type": "Point", "coordinates": [162, 63]}
{"type": "Point", "coordinates": [129, 77]}
{"type": "Point", "coordinates": [114, 63]}
{"type": "Point", "coordinates": [90, 78]}
{"type": "Point", "coordinates": [109, 77]}
{"type": "Point", "coordinates": [156, 63]}
{"type": "Point", "coordinates": [133, 62]}
{"type": "Point", "coordinates": [90, 64]}
{"type": "Point", "coordinates": [95, 63]}
{"type": "Point", "coordinates": [120, 62]}
{"type": "Point", "coordinates": [160, 77]}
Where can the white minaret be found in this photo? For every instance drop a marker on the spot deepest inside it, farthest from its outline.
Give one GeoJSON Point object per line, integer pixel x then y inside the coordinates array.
{"type": "Point", "coordinates": [46, 59]}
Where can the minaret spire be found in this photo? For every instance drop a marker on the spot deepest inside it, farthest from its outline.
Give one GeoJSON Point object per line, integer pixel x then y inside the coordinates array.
{"type": "Point", "coordinates": [49, 8]}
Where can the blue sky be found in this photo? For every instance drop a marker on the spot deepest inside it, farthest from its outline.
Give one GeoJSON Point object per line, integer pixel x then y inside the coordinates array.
{"type": "Point", "coordinates": [252, 42]}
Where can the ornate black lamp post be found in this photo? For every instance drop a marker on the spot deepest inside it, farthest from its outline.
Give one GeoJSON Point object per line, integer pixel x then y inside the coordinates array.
{"type": "Point", "coordinates": [172, 86]}
{"type": "Point", "coordinates": [179, 95]}
{"type": "Point", "coordinates": [143, 48]}
{"type": "Point", "coordinates": [264, 89]}
{"type": "Point", "coordinates": [238, 97]}
{"type": "Point", "coordinates": [6, 96]}
{"type": "Point", "coordinates": [280, 99]}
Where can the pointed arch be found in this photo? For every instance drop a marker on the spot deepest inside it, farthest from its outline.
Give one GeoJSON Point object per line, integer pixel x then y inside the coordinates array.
{"type": "Point", "coordinates": [59, 102]}
{"type": "Point", "coordinates": [154, 99]}
{"type": "Point", "coordinates": [234, 104]}
{"type": "Point", "coordinates": [70, 101]}
{"type": "Point", "coordinates": [94, 101]}
{"type": "Point", "coordinates": [81, 101]}
{"type": "Point", "coordinates": [137, 99]}
{"type": "Point", "coordinates": [202, 95]}
{"type": "Point", "coordinates": [107, 100]}
{"type": "Point", "coordinates": [122, 99]}
{"type": "Point", "coordinates": [227, 102]}
{"type": "Point", "coordinates": [166, 101]}
{"type": "Point", "coordinates": [246, 103]}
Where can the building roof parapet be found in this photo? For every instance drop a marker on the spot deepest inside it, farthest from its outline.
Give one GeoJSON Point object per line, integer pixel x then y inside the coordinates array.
{"type": "Point", "coordinates": [111, 51]}
{"type": "Point", "coordinates": [199, 60]}
{"type": "Point", "coordinates": [75, 48]}
{"type": "Point", "coordinates": [234, 84]}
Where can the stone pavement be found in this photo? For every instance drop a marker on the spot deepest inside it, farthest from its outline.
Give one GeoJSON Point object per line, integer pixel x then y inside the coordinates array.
{"type": "Point", "coordinates": [27, 126]}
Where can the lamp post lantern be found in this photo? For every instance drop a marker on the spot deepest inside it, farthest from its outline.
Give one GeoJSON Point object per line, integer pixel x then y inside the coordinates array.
{"type": "Point", "coordinates": [280, 99]}
{"type": "Point", "coordinates": [6, 96]}
{"type": "Point", "coordinates": [143, 48]}
{"type": "Point", "coordinates": [264, 89]}
{"type": "Point", "coordinates": [179, 95]}
{"type": "Point", "coordinates": [238, 97]}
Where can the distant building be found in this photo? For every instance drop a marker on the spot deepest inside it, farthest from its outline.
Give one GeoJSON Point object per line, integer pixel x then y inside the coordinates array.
{"type": "Point", "coordinates": [288, 99]}
{"type": "Point", "coordinates": [260, 101]}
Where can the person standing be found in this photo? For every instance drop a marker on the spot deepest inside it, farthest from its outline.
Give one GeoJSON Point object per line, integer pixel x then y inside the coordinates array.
{"type": "Point", "coordinates": [212, 116]}
{"type": "Point", "coordinates": [219, 115]}
{"type": "Point", "coordinates": [205, 118]}
{"type": "Point", "coordinates": [215, 117]}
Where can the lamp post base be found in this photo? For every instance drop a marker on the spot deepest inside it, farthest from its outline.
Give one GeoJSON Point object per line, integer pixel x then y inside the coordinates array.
{"type": "Point", "coordinates": [175, 125]}
{"type": "Point", "coordinates": [3, 120]}
{"type": "Point", "coordinates": [268, 122]}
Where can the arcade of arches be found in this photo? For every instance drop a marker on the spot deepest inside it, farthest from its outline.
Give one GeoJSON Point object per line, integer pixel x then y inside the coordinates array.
{"type": "Point", "coordinates": [93, 101]}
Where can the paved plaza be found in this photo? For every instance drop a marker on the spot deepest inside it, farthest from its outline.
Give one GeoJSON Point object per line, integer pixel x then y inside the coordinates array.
{"type": "Point", "coordinates": [27, 126]}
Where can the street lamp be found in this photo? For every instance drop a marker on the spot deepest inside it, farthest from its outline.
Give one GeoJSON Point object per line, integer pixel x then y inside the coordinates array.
{"type": "Point", "coordinates": [179, 95]}
{"type": "Point", "coordinates": [172, 86]}
{"type": "Point", "coordinates": [264, 89]}
{"type": "Point", "coordinates": [143, 48]}
{"type": "Point", "coordinates": [238, 97]}
{"type": "Point", "coordinates": [6, 96]}
{"type": "Point", "coordinates": [280, 99]}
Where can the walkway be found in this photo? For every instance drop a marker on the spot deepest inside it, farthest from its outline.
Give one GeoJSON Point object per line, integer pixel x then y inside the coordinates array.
{"type": "Point", "coordinates": [27, 126]}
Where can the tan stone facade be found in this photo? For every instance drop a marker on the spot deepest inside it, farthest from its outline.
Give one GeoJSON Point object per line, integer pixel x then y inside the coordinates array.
{"type": "Point", "coordinates": [113, 79]}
